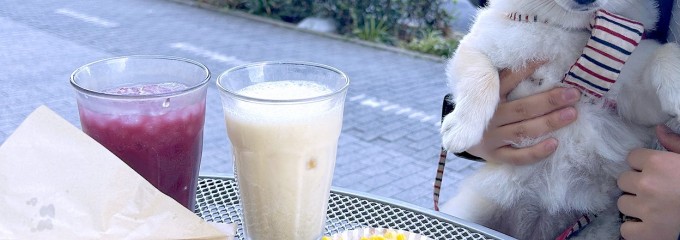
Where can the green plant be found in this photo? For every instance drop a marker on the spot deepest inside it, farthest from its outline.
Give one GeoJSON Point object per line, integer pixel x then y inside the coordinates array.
{"type": "Point", "coordinates": [230, 4]}
{"type": "Point", "coordinates": [394, 14]}
{"type": "Point", "coordinates": [286, 10]}
{"type": "Point", "coordinates": [419, 25]}
{"type": "Point", "coordinates": [432, 42]}
{"type": "Point", "coordinates": [372, 30]}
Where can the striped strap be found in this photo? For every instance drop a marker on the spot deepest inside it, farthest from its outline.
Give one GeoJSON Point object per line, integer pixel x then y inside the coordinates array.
{"type": "Point", "coordinates": [612, 40]}
{"type": "Point", "coordinates": [577, 226]}
{"type": "Point", "coordinates": [439, 177]}
{"type": "Point", "coordinates": [447, 107]}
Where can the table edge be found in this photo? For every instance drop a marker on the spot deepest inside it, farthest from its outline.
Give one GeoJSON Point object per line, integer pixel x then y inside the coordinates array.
{"type": "Point", "coordinates": [401, 204]}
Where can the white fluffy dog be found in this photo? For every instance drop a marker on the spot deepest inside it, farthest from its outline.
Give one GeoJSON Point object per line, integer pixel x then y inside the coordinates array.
{"type": "Point", "coordinates": [541, 200]}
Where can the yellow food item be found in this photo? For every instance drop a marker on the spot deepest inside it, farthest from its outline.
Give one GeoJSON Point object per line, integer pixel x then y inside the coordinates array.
{"type": "Point", "coordinates": [392, 235]}
{"type": "Point", "coordinates": [389, 235]}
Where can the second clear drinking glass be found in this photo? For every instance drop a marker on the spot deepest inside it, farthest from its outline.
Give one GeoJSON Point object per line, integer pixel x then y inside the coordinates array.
{"type": "Point", "coordinates": [284, 120]}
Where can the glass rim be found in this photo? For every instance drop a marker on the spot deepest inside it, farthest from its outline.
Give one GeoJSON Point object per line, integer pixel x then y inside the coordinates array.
{"type": "Point", "coordinates": [283, 101]}
{"type": "Point", "coordinates": [148, 96]}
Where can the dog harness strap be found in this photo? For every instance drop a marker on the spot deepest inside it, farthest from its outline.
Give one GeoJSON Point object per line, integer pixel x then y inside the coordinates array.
{"type": "Point", "coordinates": [447, 107]}
{"type": "Point", "coordinates": [439, 177]}
{"type": "Point", "coordinates": [613, 39]}
{"type": "Point", "coordinates": [577, 226]}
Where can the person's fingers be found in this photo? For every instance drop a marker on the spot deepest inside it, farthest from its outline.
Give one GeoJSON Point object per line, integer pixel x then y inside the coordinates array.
{"type": "Point", "coordinates": [668, 139]}
{"type": "Point", "coordinates": [510, 79]}
{"type": "Point", "coordinates": [533, 128]}
{"type": "Point", "coordinates": [628, 204]}
{"type": "Point", "coordinates": [528, 155]}
{"type": "Point", "coordinates": [631, 230]}
{"type": "Point", "coordinates": [637, 158]}
{"type": "Point", "coordinates": [535, 105]}
{"type": "Point", "coordinates": [627, 182]}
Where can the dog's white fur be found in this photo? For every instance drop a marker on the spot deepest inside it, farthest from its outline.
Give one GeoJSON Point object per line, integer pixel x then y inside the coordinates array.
{"type": "Point", "coordinates": [541, 200]}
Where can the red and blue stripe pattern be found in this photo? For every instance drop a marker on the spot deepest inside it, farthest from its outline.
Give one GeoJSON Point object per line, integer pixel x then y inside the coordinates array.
{"type": "Point", "coordinates": [613, 39]}
{"type": "Point", "coordinates": [576, 227]}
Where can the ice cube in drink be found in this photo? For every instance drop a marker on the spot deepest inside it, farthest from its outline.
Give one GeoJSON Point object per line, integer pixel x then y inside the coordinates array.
{"type": "Point", "coordinates": [160, 141]}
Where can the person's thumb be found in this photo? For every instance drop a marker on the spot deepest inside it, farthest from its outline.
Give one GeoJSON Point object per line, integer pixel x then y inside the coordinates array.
{"type": "Point", "coordinates": [668, 139]}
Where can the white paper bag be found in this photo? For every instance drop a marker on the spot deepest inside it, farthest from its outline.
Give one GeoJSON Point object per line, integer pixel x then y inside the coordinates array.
{"type": "Point", "coordinates": [58, 183]}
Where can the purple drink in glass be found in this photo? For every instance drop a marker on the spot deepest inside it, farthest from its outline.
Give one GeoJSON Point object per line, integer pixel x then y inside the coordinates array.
{"type": "Point", "coordinates": [149, 111]}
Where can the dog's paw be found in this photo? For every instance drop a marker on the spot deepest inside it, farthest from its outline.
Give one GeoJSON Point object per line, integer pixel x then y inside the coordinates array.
{"type": "Point", "coordinates": [459, 135]}
{"type": "Point", "coordinates": [666, 72]}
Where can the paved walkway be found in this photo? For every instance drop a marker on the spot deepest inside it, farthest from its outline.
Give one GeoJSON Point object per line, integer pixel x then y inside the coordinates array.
{"type": "Point", "coordinates": [390, 141]}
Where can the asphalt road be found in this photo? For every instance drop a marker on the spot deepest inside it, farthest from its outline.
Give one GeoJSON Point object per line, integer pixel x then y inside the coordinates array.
{"type": "Point", "coordinates": [389, 144]}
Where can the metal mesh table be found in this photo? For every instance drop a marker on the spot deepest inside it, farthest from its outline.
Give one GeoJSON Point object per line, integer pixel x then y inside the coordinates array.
{"type": "Point", "coordinates": [217, 201]}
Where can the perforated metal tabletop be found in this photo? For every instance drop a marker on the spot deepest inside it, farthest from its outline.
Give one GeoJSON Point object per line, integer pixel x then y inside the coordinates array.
{"type": "Point", "coordinates": [217, 201]}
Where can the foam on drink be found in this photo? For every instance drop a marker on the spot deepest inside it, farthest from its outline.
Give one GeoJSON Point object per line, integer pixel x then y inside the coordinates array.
{"type": "Point", "coordinates": [284, 156]}
{"type": "Point", "coordinates": [285, 90]}
{"type": "Point", "coordinates": [282, 90]}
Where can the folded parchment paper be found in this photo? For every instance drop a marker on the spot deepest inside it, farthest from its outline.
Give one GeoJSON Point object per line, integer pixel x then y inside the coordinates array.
{"type": "Point", "coordinates": [58, 183]}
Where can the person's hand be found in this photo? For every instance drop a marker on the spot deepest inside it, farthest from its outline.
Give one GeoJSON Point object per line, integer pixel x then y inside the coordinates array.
{"type": "Point", "coordinates": [528, 117]}
{"type": "Point", "coordinates": [653, 190]}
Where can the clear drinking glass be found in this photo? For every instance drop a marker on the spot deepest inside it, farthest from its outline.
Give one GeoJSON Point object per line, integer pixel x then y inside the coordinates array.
{"type": "Point", "coordinates": [149, 111]}
{"type": "Point", "coordinates": [283, 120]}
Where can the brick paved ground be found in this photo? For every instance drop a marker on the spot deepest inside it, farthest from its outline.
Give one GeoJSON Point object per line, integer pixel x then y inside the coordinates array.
{"type": "Point", "coordinates": [389, 144]}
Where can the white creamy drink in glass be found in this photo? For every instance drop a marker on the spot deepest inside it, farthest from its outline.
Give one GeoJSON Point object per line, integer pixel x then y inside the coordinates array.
{"type": "Point", "coordinates": [284, 135]}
